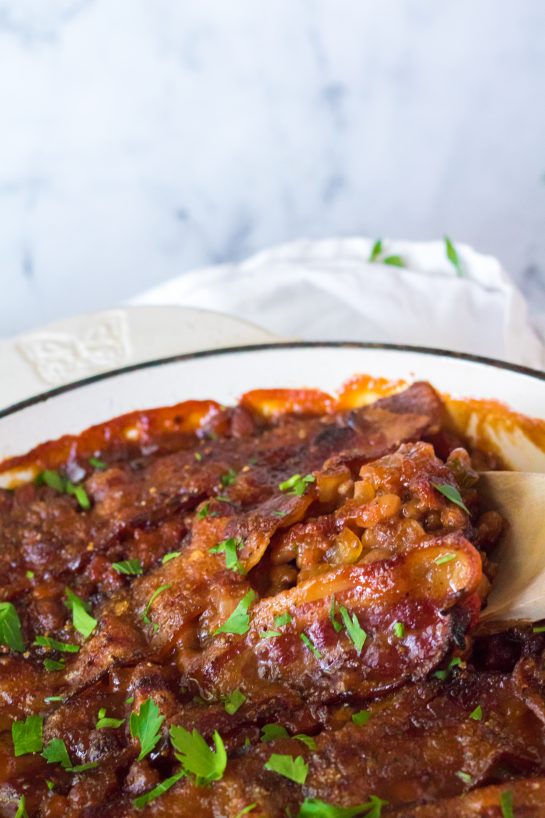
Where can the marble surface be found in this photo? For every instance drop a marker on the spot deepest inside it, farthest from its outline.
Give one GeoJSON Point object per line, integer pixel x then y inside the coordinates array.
{"type": "Point", "coordinates": [140, 139]}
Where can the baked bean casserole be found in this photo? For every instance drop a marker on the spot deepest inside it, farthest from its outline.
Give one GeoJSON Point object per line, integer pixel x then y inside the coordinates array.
{"type": "Point", "coordinates": [270, 609]}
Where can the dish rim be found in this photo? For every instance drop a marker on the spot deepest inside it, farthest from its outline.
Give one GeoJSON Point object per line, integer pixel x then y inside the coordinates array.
{"type": "Point", "coordinates": [434, 352]}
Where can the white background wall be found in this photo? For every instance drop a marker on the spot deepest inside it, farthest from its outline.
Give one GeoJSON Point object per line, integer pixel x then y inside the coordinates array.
{"type": "Point", "coordinates": [141, 138]}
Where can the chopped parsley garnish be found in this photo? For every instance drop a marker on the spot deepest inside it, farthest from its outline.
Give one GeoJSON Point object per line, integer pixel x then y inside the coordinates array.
{"type": "Point", "coordinates": [393, 261]}
{"type": "Point", "coordinates": [230, 547]}
{"type": "Point", "coordinates": [506, 804]}
{"type": "Point", "coordinates": [398, 629]}
{"type": "Point", "coordinates": [64, 486]}
{"type": "Point", "coordinates": [145, 726]}
{"type": "Point", "coordinates": [153, 597]}
{"type": "Point", "coordinates": [81, 618]}
{"type": "Point", "coordinates": [27, 735]}
{"type": "Point", "coordinates": [49, 699]}
{"type": "Point", "coordinates": [444, 558]}
{"type": "Point", "coordinates": [477, 714]}
{"type": "Point", "coordinates": [29, 575]}
{"type": "Point", "coordinates": [103, 722]}
{"type": "Point", "coordinates": [283, 619]}
{"type": "Point", "coordinates": [453, 257]}
{"type": "Point", "coordinates": [296, 484]}
{"type": "Point", "coordinates": [170, 556]}
{"type": "Point", "coordinates": [442, 675]}
{"type": "Point", "coordinates": [361, 717]}
{"type": "Point", "coordinates": [337, 626]}
{"type": "Point", "coordinates": [538, 629]}
{"type": "Point", "coordinates": [49, 784]}
{"type": "Point", "coordinates": [246, 810]}
{"type": "Point", "coordinates": [465, 777]}
{"type": "Point", "coordinates": [196, 757]}
{"type": "Point", "coordinates": [353, 629]}
{"type": "Point", "coordinates": [228, 478]}
{"type": "Point", "coordinates": [452, 494]}
{"type": "Point", "coordinates": [54, 644]}
{"type": "Point", "coordinates": [314, 808]}
{"type": "Point", "coordinates": [270, 732]}
{"type": "Point", "coordinates": [161, 788]}
{"type": "Point", "coordinates": [55, 752]}
{"type": "Point", "coordinates": [53, 664]}
{"type": "Point", "coordinates": [204, 510]}
{"type": "Point", "coordinates": [239, 621]}
{"type": "Point", "coordinates": [97, 464]}
{"type": "Point", "coordinates": [21, 808]}
{"type": "Point", "coordinates": [130, 700]}
{"type": "Point", "coordinates": [10, 628]}
{"type": "Point", "coordinates": [198, 457]}
{"type": "Point", "coordinates": [269, 634]}
{"type": "Point", "coordinates": [293, 768]}
{"type": "Point", "coordinates": [310, 645]}
{"type": "Point", "coordinates": [279, 513]}
{"type": "Point", "coordinates": [376, 250]}
{"type": "Point", "coordinates": [234, 701]}
{"type": "Point", "coordinates": [128, 567]}
{"type": "Point", "coordinates": [308, 741]}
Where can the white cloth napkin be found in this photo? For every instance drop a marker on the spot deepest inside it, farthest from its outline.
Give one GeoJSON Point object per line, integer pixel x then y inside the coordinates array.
{"type": "Point", "coordinates": [328, 290]}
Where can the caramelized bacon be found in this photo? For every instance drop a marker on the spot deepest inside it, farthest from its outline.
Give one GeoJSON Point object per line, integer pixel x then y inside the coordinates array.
{"type": "Point", "coordinates": [361, 580]}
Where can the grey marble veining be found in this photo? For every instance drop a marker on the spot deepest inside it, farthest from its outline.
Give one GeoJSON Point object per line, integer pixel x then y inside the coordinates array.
{"type": "Point", "coordinates": [140, 139]}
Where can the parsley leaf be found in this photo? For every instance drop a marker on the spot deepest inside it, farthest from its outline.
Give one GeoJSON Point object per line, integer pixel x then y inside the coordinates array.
{"type": "Point", "coordinates": [21, 808]}
{"type": "Point", "coordinates": [204, 510]}
{"type": "Point", "coordinates": [54, 644]}
{"type": "Point", "coordinates": [337, 626]}
{"type": "Point", "coordinates": [442, 675]}
{"type": "Point", "coordinates": [269, 634]}
{"type": "Point", "coordinates": [239, 621]}
{"type": "Point", "coordinates": [444, 558]}
{"type": "Point", "coordinates": [234, 701]}
{"type": "Point", "coordinates": [104, 722]}
{"type": "Point", "coordinates": [270, 732]}
{"type": "Point", "coordinates": [293, 768]}
{"type": "Point", "coordinates": [230, 547]}
{"type": "Point", "coordinates": [153, 597]}
{"type": "Point", "coordinates": [10, 628]}
{"type": "Point", "coordinates": [27, 735]}
{"type": "Point", "coordinates": [128, 567]}
{"type": "Point", "coordinates": [465, 777]}
{"type": "Point", "coordinates": [506, 804]}
{"type": "Point", "coordinates": [160, 789]}
{"type": "Point", "coordinates": [246, 810]}
{"type": "Point", "coordinates": [55, 752]}
{"type": "Point", "coordinates": [100, 465]}
{"type": "Point", "coordinates": [64, 486]}
{"type": "Point", "coordinates": [308, 741]}
{"type": "Point", "coordinates": [296, 484]}
{"type": "Point", "coordinates": [393, 261]}
{"type": "Point", "coordinates": [452, 494]}
{"type": "Point", "coordinates": [398, 629]}
{"type": "Point", "coordinates": [354, 629]}
{"type": "Point", "coordinates": [145, 726]}
{"type": "Point", "coordinates": [453, 257]}
{"type": "Point", "coordinates": [376, 250]}
{"type": "Point", "coordinates": [53, 664]}
{"type": "Point", "coordinates": [196, 757]}
{"type": "Point", "coordinates": [361, 717]}
{"type": "Point", "coordinates": [81, 619]}
{"type": "Point", "coordinates": [228, 478]}
{"type": "Point", "coordinates": [314, 808]}
{"type": "Point", "coordinates": [170, 556]}
{"type": "Point", "coordinates": [477, 714]}
{"type": "Point", "coordinates": [283, 619]}
{"type": "Point", "coordinates": [310, 645]}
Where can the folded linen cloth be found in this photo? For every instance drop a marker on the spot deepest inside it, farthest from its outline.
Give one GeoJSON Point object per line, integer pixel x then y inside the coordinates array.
{"type": "Point", "coordinates": [329, 290]}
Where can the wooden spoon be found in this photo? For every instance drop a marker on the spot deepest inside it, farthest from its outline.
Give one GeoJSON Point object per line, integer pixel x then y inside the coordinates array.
{"type": "Point", "coordinates": [518, 591]}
